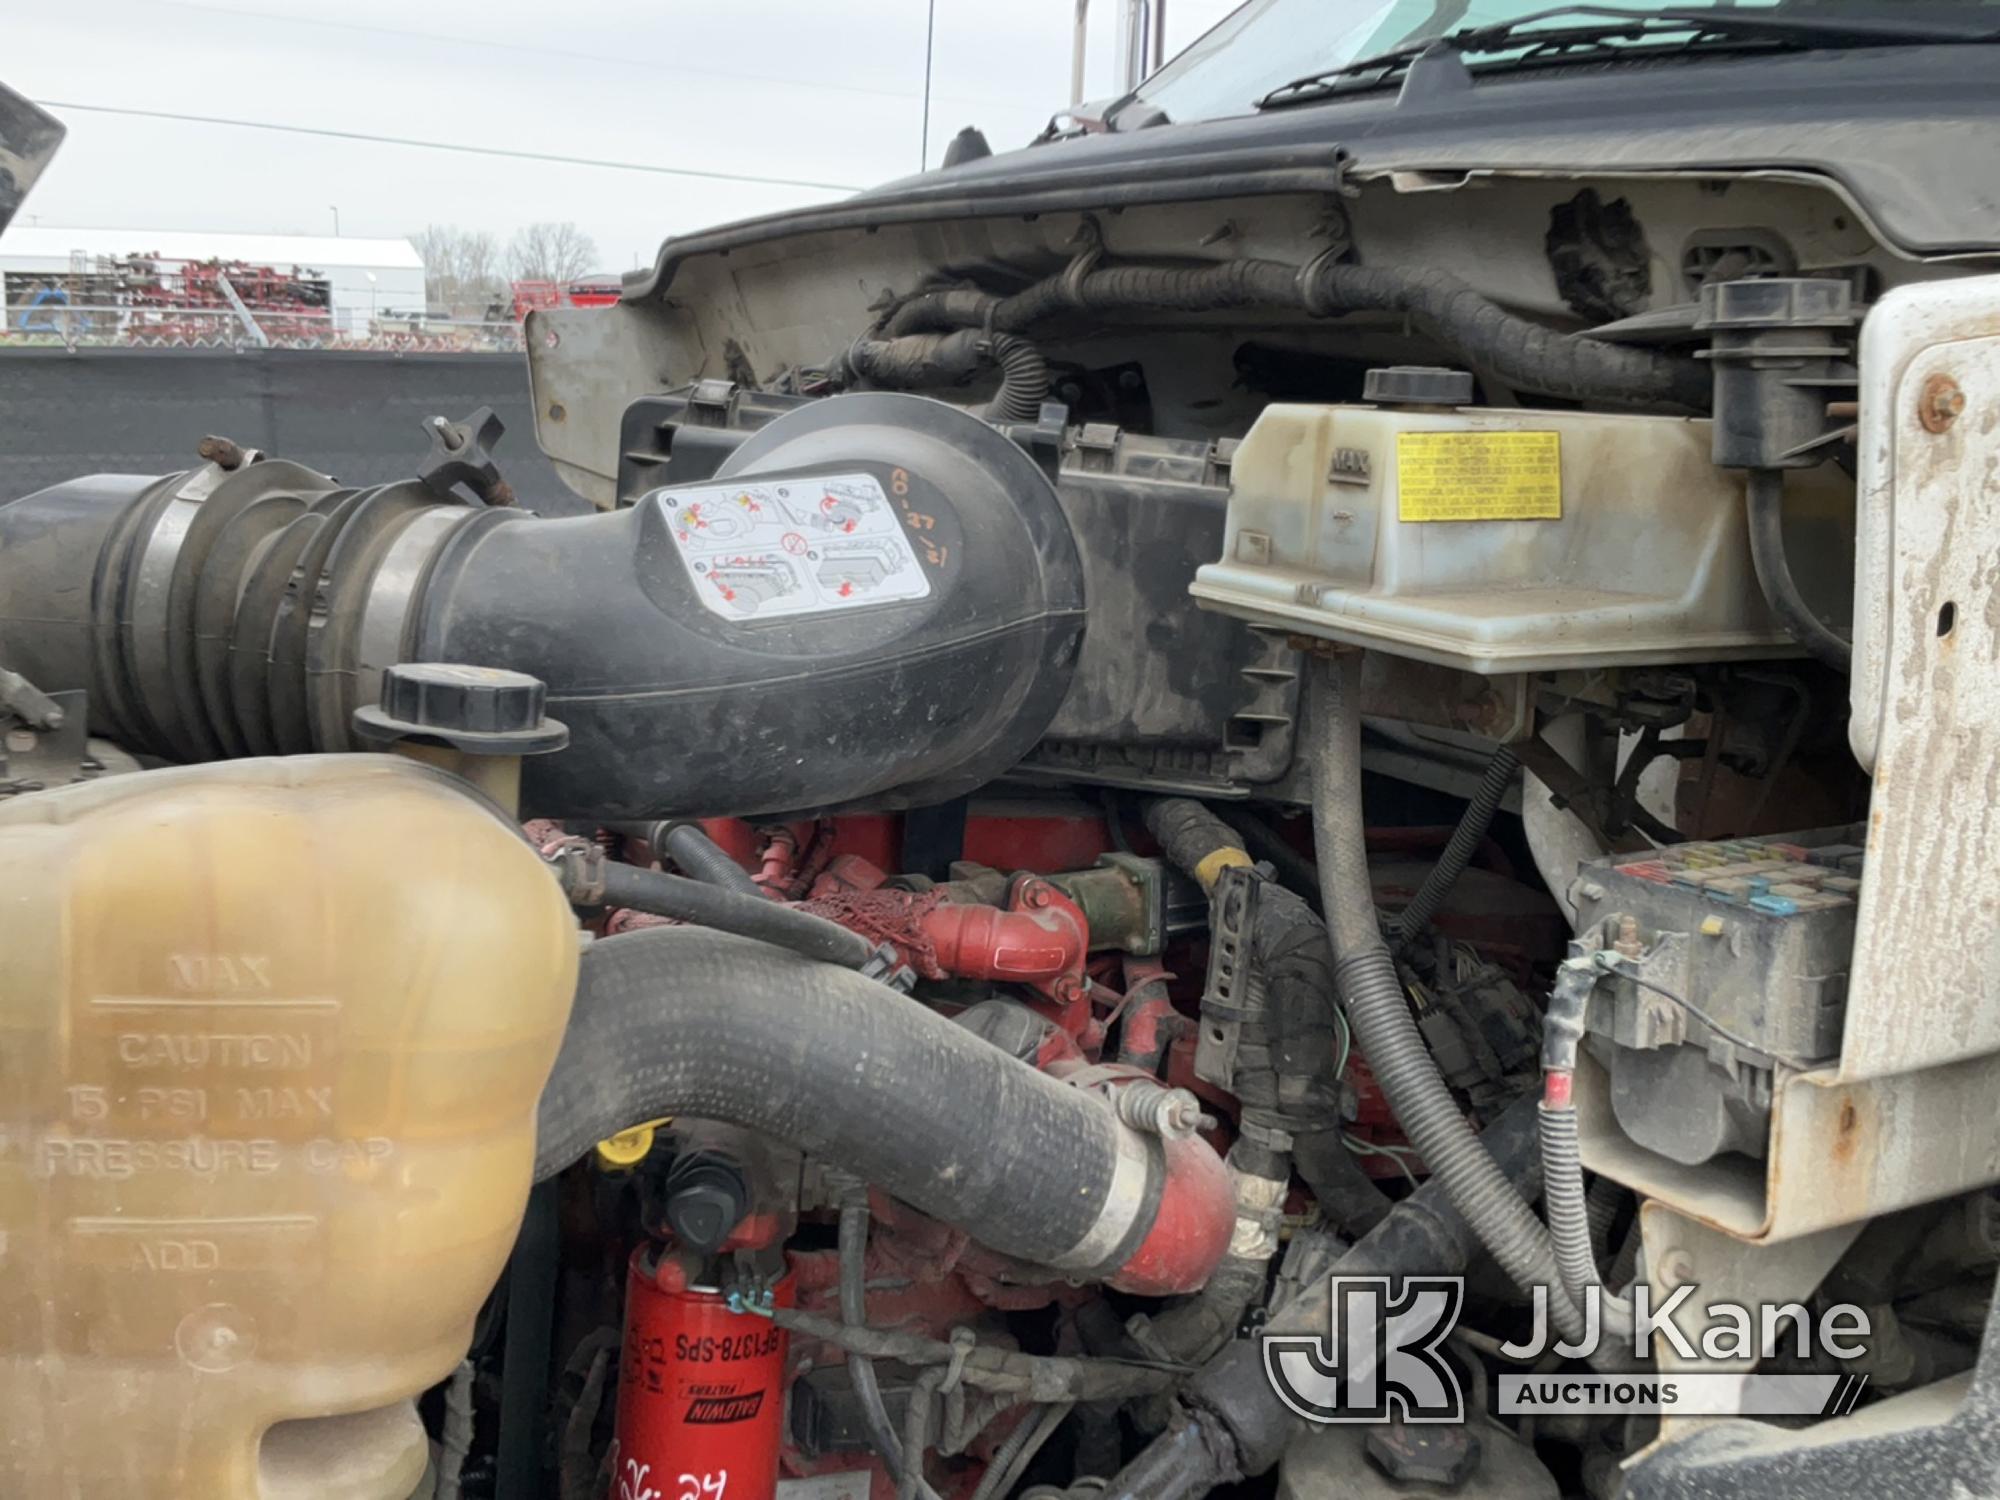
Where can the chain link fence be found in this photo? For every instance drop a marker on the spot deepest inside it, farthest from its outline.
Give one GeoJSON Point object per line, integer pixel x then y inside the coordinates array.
{"type": "Point", "coordinates": [64, 325]}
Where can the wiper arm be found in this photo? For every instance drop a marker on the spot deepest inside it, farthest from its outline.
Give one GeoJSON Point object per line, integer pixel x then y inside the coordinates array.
{"type": "Point", "coordinates": [1613, 24]}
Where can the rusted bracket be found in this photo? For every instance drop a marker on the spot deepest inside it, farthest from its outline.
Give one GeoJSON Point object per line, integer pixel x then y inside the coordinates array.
{"type": "Point", "coordinates": [462, 453]}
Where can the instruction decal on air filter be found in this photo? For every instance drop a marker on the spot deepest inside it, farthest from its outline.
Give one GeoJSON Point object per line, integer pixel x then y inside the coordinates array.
{"type": "Point", "coordinates": [764, 550]}
{"type": "Point", "coordinates": [1478, 476]}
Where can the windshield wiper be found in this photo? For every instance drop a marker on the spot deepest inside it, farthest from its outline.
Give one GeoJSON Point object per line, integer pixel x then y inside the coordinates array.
{"type": "Point", "coordinates": [1611, 24]}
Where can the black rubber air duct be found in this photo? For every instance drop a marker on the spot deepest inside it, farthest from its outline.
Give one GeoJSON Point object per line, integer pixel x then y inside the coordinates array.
{"type": "Point", "coordinates": [49, 545]}
{"type": "Point", "coordinates": [876, 597]}
{"type": "Point", "coordinates": [681, 1021]}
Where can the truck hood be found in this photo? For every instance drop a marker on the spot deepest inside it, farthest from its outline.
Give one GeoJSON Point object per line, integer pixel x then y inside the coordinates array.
{"type": "Point", "coordinates": [1910, 134]}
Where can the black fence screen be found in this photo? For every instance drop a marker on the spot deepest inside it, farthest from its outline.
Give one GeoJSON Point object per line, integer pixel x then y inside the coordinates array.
{"type": "Point", "coordinates": [356, 415]}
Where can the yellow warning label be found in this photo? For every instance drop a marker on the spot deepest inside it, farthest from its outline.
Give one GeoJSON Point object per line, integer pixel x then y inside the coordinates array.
{"type": "Point", "coordinates": [1479, 476]}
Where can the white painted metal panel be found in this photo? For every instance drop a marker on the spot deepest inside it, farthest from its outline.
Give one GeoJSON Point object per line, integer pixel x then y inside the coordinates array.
{"type": "Point", "coordinates": [1925, 983]}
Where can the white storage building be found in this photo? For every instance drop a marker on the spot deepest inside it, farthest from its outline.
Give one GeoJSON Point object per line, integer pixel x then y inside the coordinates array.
{"type": "Point", "coordinates": [365, 277]}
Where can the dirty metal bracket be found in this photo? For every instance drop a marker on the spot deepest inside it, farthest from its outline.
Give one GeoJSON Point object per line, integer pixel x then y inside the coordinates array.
{"type": "Point", "coordinates": [44, 737]}
{"type": "Point", "coordinates": [462, 454]}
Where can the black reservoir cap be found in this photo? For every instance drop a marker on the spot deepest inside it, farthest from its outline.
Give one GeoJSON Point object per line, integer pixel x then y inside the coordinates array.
{"type": "Point", "coordinates": [480, 710]}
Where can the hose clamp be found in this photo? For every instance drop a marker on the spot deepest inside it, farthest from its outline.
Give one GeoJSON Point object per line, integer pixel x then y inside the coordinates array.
{"type": "Point", "coordinates": [1081, 266]}
{"type": "Point", "coordinates": [1306, 281]}
{"type": "Point", "coordinates": [847, 367]}
{"type": "Point", "coordinates": [885, 965]}
{"type": "Point", "coordinates": [1270, 1137]}
{"type": "Point", "coordinates": [580, 868]}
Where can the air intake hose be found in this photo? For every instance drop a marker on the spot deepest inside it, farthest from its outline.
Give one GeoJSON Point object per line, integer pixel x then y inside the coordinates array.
{"type": "Point", "coordinates": [676, 1020]}
{"type": "Point", "coordinates": [876, 597]}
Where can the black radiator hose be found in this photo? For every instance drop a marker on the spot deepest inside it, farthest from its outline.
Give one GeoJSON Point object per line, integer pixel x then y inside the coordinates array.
{"type": "Point", "coordinates": [1380, 1014]}
{"type": "Point", "coordinates": [589, 879]}
{"type": "Point", "coordinates": [698, 855]}
{"type": "Point", "coordinates": [1764, 497]}
{"type": "Point", "coordinates": [682, 1021]}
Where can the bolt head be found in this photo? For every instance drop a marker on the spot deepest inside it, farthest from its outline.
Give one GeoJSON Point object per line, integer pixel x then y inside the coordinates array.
{"type": "Point", "coordinates": [1676, 1268]}
{"type": "Point", "coordinates": [1426, 1453]}
{"type": "Point", "coordinates": [1940, 404]}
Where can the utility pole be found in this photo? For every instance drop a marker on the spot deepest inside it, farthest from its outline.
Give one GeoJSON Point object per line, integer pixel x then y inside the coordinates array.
{"type": "Point", "coordinates": [335, 208]}
{"type": "Point", "coordinates": [930, 36]}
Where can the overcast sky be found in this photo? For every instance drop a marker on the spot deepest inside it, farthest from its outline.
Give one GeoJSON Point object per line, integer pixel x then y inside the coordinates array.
{"type": "Point", "coordinates": [827, 92]}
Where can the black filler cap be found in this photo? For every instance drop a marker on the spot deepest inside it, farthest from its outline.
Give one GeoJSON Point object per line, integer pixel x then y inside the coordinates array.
{"type": "Point", "coordinates": [479, 710]}
{"type": "Point", "coordinates": [706, 1198]}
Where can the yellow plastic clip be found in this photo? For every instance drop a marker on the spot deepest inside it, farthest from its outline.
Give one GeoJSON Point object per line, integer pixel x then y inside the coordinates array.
{"type": "Point", "coordinates": [1212, 864]}
{"type": "Point", "coordinates": [629, 1147]}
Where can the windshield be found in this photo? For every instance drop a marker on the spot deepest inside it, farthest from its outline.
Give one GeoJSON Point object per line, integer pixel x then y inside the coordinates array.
{"type": "Point", "coordinates": [1268, 43]}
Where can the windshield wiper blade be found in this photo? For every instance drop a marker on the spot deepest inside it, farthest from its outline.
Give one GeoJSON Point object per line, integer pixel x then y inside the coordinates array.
{"type": "Point", "coordinates": [1612, 23]}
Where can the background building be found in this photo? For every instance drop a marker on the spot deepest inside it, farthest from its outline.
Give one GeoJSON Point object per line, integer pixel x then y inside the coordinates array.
{"type": "Point", "coordinates": [331, 286]}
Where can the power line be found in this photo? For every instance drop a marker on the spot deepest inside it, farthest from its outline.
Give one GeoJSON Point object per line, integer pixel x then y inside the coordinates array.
{"type": "Point", "coordinates": [397, 140]}
{"type": "Point", "coordinates": [536, 50]}
{"type": "Point", "coordinates": [930, 36]}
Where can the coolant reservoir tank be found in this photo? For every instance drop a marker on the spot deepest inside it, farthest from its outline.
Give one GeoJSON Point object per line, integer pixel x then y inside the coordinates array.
{"type": "Point", "coordinates": [1494, 540]}
{"type": "Point", "coordinates": [271, 1038]}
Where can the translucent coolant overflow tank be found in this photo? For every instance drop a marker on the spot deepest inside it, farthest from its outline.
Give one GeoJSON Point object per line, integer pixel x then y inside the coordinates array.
{"type": "Point", "coordinates": [271, 1038]}
{"type": "Point", "coordinates": [1501, 541]}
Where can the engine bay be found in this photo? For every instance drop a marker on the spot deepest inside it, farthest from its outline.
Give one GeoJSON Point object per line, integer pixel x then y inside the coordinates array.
{"type": "Point", "coordinates": [1091, 776]}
